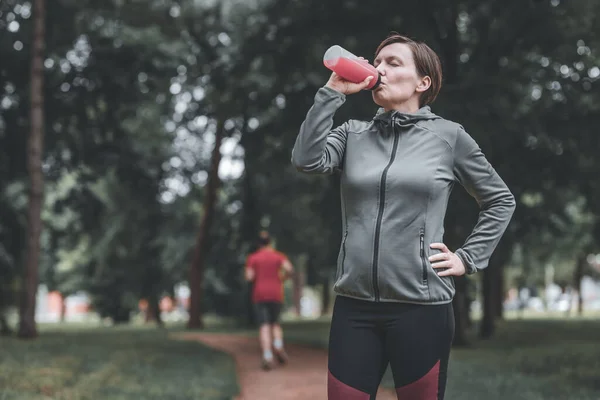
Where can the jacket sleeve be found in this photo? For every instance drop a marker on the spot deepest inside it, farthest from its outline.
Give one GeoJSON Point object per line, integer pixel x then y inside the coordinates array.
{"type": "Point", "coordinates": [496, 202]}
{"type": "Point", "coordinates": [318, 148]}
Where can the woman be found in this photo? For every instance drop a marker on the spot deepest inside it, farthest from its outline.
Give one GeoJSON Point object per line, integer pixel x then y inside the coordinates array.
{"type": "Point", "coordinates": [394, 281]}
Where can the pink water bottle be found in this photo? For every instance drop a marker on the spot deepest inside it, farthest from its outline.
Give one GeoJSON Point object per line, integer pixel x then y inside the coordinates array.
{"type": "Point", "coordinates": [350, 67]}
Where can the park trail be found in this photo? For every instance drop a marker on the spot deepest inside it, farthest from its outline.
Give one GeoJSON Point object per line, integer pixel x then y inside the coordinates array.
{"type": "Point", "coordinates": [304, 377]}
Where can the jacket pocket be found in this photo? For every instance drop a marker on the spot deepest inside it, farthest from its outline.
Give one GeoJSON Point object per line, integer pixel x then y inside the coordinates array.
{"type": "Point", "coordinates": [342, 257]}
{"type": "Point", "coordinates": [423, 261]}
{"type": "Point", "coordinates": [344, 250]}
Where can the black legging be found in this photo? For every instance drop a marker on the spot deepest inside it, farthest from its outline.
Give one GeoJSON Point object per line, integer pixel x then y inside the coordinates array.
{"type": "Point", "coordinates": [365, 336]}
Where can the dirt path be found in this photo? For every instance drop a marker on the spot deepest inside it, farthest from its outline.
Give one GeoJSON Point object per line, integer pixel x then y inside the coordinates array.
{"type": "Point", "coordinates": [303, 378]}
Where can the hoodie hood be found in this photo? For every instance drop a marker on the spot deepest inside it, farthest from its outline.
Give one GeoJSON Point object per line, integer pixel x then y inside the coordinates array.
{"type": "Point", "coordinates": [423, 113]}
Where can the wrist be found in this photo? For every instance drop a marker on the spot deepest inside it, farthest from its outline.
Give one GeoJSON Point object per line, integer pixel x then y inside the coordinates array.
{"type": "Point", "coordinates": [335, 87]}
{"type": "Point", "coordinates": [470, 267]}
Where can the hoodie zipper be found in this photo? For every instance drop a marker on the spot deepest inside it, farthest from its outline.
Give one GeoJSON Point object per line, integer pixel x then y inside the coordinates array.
{"type": "Point", "coordinates": [380, 214]}
{"type": "Point", "coordinates": [423, 264]}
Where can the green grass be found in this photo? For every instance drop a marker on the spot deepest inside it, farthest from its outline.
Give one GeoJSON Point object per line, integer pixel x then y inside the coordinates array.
{"type": "Point", "coordinates": [531, 359]}
{"type": "Point", "coordinates": [555, 359]}
{"type": "Point", "coordinates": [78, 363]}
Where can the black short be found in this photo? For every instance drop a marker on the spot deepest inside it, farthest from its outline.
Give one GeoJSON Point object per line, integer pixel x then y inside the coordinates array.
{"type": "Point", "coordinates": [267, 312]}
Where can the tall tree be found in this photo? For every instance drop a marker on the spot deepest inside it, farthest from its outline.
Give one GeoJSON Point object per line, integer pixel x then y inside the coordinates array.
{"type": "Point", "coordinates": [35, 148]}
{"type": "Point", "coordinates": [202, 240]}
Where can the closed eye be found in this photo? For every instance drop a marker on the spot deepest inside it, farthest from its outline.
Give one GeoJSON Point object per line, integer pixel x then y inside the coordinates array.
{"type": "Point", "coordinates": [391, 61]}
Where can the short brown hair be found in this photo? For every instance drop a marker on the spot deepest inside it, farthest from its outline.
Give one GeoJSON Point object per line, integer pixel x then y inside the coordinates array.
{"type": "Point", "coordinates": [427, 63]}
{"type": "Point", "coordinates": [264, 238]}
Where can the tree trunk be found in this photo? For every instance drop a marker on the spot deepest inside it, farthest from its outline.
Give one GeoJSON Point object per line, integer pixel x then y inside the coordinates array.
{"type": "Point", "coordinates": [461, 311]}
{"type": "Point", "coordinates": [488, 287]}
{"type": "Point", "coordinates": [4, 326]}
{"type": "Point", "coordinates": [153, 311]}
{"type": "Point", "coordinates": [250, 225]}
{"type": "Point", "coordinates": [326, 295]}
{"type": "Point", "coordinates": [577, 277]}
{"type": "Point", "coordinates": [149, 313]}
{"type": "Point", "coordinates": [251, 317]}
{"type": "Point", "coordinates": [120, 315]}
{"type": "Point", "coordinates": [196, 275]}
{"type": "Point", "coordinates": [492, 287]}
{"type": "Point", "coordinates": [468, 302]}
{"type": "Point", "coordinates": [498, 293]}
{"type": "Point", "coordinates": [298, 283]}
{"type": "Point", "coordinates": [297, 279]}
{"type": "Point", "coordinates": [548, 281]}
{"type": "Point", "coordinates": [35, 146]}
{"type": "Point", "coordinates": [63, 308]}
{"type": "Point", "coordinates": [249, 230]}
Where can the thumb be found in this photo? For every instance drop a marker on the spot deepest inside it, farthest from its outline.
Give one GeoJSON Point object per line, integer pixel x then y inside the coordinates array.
{"type": "Point", "coordinates": [366, 82]}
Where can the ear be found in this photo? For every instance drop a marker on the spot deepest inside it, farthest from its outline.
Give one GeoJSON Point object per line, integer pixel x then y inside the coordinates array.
{"type": "Point", "coordinates": [424, 84]}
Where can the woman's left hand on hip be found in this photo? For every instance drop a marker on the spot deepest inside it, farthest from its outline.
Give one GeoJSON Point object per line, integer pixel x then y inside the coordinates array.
{"type": "Point", "coordinates": [449, 263]}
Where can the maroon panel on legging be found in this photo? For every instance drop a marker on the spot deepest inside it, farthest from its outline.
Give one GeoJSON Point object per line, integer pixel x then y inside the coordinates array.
{"type": "Point", "coordinates": [337, 390]}
{"type": "Point", "coordinates": [426, 388]}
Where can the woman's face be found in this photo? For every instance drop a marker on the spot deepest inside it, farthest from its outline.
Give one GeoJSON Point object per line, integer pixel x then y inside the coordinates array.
{"type": "Point", "coordinates": [401, 86]}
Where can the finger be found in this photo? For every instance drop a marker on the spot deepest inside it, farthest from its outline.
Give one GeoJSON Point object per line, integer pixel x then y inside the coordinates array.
{"type": "Point", "coordinates": [366, 82]}
{"type": "Point", "coordinates": [439, 257]}
{"type": "Point", "coordinates": [442, 264]}
{"type": "Point", "coordinates": [448, 272]}
{"type": "Point", "coordinates": [439, 246]}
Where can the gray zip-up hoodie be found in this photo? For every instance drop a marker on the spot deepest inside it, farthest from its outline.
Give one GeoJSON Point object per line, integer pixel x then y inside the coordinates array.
{"type": "Point", "coordinates": [397, 172]}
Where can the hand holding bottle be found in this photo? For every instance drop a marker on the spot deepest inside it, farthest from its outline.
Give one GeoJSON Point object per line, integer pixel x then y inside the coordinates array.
{"type": "Point", "coordinates": [341, 85]}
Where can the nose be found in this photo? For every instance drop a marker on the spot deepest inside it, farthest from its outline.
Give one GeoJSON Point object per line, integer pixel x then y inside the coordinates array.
{"type": "Point", "coordinates": [380, 69]}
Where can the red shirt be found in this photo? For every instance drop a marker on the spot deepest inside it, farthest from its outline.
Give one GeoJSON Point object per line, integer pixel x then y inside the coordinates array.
{"type": "Point", "coordinates": [268, 285]}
